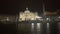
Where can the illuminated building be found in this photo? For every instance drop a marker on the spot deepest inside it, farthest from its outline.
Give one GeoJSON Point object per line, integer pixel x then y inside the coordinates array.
{"type": "Point", "coordinates": [50, 13]}
{"type": "Point", "coordinates": [27, 15]}
{"type": "Point", "coordinates": [10, 18]}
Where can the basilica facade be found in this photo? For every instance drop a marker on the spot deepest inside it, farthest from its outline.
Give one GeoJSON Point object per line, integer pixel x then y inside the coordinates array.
{"type": "Point", "coordinates": [27, 15]}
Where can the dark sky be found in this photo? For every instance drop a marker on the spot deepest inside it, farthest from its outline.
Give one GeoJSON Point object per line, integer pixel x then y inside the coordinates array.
{"type": "Point", "coordinates": [52, 4]}
{"type": "Point", "coordinates": [14, 6]}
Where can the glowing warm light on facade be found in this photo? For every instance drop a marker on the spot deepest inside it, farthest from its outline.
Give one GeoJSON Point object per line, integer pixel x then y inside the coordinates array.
{"type": "Point", "coordinates": [38, 17]}
{"type": "Point", "coordinates": [50, 13]}
{"type": "Point", "coordinates": [32, 19]}
{"type": "Point", "coordinates": [27, 15]}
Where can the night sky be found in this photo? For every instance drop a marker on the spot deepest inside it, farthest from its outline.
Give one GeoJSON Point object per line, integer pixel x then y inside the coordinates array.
{"type": "Point", "coordinates": [14, 6]}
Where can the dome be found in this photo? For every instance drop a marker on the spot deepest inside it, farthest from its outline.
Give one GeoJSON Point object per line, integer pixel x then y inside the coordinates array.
{"type": "Point", "coordinates": [27, 11]}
